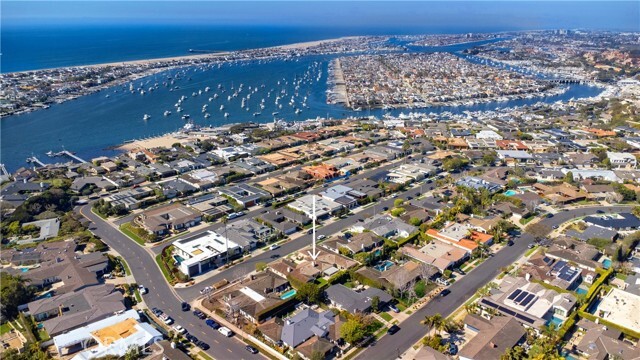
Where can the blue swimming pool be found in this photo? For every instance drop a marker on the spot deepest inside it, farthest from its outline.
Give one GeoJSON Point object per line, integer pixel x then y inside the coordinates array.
{"type": "Point", "coordinates": [288, 294]}
{"type": "Point", "coordinates": [606, 263]}
{"type": "Point", "coordinates": [510, 192]}
{"type": "Point", "coordinates": [555, 321]}
{"type": "Point", "coordinates": [377, 253]}
{"type": "Point", "coordinates": [567, 355]}
{"type": "Point", "coordinates": [178, 259]}
{"type": "Point", "coordinates": [383, 266]}
{"type": "Point", "coordinates": [581, 291]}
{"type": "Point", "coordinates": [24, 269]}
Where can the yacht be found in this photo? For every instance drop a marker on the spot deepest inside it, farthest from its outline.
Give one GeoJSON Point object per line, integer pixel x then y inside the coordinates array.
{"type": "Point", "coordinates": [167, 113]}
{"type": "Point", "coordinates": [146, 117]}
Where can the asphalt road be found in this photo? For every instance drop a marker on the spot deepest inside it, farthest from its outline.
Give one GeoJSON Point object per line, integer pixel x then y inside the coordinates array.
{"type": "Point", "coordinates": [390, 346]}
{"type": "Point", "coordinates": [160, 295]}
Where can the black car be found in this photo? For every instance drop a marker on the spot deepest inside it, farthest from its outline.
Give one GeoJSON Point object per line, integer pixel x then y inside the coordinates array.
{"type": "Point", "coordinates": [460, 271]}
{"type": "Point", "coordinates": [199, 314]}
{"type": "Point", "coordinates": [510, 243]}
{"type": "Point", "coordinates": [192, 338]}
{"type": "Point", "coordinates": [156, 311]}
{"type": "Point", "coordinates": [274, 256]}
{"type": "Point", "coordinates": [445, 292]}
{"type": "Point", "coordinates": [251, 349]}
{"type": "Point", "coordinates": [600, 212]}
{"type": "Point", "coordinates": [393, 329]}
{"type": "Point", "coordinates": [385, 208]}
{"type": "Point", "coordinates": [409, 198]}
{"type": "Point", "coordinates": [185, 306]}
{"type": "Point", "coordinates": [203, 345]}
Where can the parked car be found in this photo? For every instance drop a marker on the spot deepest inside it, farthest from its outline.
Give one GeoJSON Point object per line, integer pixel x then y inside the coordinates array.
{"type": "Point", "coordinates": [385, 208]}
{"type": "Point", "coordinates": [199, 314]}
{"type": "Point", "coordinates": [155, 311]}
{"type": "Point", "coordinates": [179, 329]}
{"type": "Point", "coordinates": [321, 237]}
{"type": "Point", "coordinates": [143, 290]}
{"type": "Point", "coordinates": [225, 331]}
{"type": "Point", "coordinates": [393, 329]}
{"type": "Point", "coordinates": [394, 308]}
{"type": "Point", "coordinates": [531, 246]}
{"type": "Point", "coordinates": [212, 324]}
{"type": "Point", "coordinates": [251, 349]}
{"type": "Point", "coordinates": [555, 226]}
{"type": "Point", "coordinates": [185, 306]}
{"type": "Point", "coordinates": [274, 247]}
{"type": "Point", "coordinates": [205, 290]}
{"type": "Point", "coordinates": [445, 292]}
{"type": "Point", "coordinates": [510, 243]}
{"type": "Point", "coordinates": [460, 271]}
{"type": "Point", "coordinates": [442, 281]}
{"type": "Point", "coordinates": [191, 338]}
{"type": "Point", "coordinates": [203, 345]}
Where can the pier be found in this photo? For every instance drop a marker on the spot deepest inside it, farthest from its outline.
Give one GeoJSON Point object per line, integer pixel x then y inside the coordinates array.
{"type": "Point", "coordinates": [71, 155]}
{"type": "Point", "coordinates": [36, 161]}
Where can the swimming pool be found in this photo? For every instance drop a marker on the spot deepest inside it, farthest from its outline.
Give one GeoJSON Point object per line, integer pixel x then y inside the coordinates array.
{"type": "Point", "coordinates": [377, 253]}
{"type": "Point", "coordinates": [178, 259]}
{"type": "Point", "coordinates": [383, 266]}
{"type": "Point", "coordinates": [581, 291]}
{"type": "Point", "coordinates": [510, 192]}
{"type": "Point", "coordinates": [606, 263]}
{"type": "Point", "coordinates": [24, 269]}
{"type": "Point", "coordinates": [555, 321]}
{"type": "Point", "coordinates": [288, 294]}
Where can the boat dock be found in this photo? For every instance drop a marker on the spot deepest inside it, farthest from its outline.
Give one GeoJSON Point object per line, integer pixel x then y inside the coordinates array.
{"type": "Point", "coordinates": [71, 155]}
{"type": "Point", "coordinates": [35, 160]}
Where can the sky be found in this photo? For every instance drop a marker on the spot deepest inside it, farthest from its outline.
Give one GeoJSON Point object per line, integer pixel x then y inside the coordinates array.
{"type": "Point", "coordinates": [508, 15]}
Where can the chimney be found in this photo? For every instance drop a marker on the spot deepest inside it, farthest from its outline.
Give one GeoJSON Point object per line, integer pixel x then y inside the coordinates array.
{"type": "Point", "coordinates": [289, 269]}
{"type": "Point", "coordinates": [492, 345]}
{"type": "Point", "coordinates": [527, 276]}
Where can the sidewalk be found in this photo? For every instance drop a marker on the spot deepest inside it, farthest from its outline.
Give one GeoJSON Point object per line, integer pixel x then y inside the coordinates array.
{"type": "Point", "coordinates": [239, 332]}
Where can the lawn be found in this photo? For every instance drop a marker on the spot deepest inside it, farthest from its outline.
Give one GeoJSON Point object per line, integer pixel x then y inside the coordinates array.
{"type": "Point", "coordinates": [386, 316]}
{"type": "Point", "coordinates": [43, 335]}
{"type": "Point", "coordinates": [136, 292]}
{"type": "Point", "coordinates": [525, 221]}
{"type": "Point", "coordinates": [164, 270]}
{"type": "Point", "coordinates": [531, 251]}
{"type": "Point", "coordinates": [5, 328]}
{"type": "Point", "coordinates": [204, 355]}
{"type": "Point", "coordinates": [126, 229]}
{"type": "Point", "coordinates": [125, 266]}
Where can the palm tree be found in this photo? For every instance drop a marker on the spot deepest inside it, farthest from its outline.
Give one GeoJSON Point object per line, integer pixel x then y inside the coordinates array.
{"type": "Point", "coordinates": [428, 322]}
{"type": "Point", "coordinates": [439, 323]}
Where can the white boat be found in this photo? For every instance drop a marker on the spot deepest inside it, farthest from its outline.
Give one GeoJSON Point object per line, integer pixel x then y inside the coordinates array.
{"type": "Point", "coordinates": [185, 117]}
{"type": "Point", "coordinates": [207, 115]}
{"type": "Point", "coordinates": [179, 109]}
{"type": "Point", "coordinates": [167, 113]}
{"type": "Point", "coordinates": [221, 107]}
{"type": "Point", "coordinates": [226, 115]}
{"type": "Point", "coordinates": [146, 117]}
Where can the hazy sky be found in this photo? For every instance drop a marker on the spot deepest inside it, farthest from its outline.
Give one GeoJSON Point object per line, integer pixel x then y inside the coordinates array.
{"type": "Point", "coordinates": [415, 15]}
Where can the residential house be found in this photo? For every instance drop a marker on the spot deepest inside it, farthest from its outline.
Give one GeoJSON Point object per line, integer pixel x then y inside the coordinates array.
{"type": "Point", "coordinates": [384, 225]}
{"type": "Point", "coordinates": [244, 194]}
{"type": "Point", "coordinates": [343, 298]}
{"type": "Point", "coordinates": [622, 160]}
{"type": "Point", "coordinates": [172, 217]}
{"type": "Point", "coordinates": [492, 337]}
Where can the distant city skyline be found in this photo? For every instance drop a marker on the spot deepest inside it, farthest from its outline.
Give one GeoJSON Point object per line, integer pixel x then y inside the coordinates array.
{"type": "Point", "coordinates": [412, 16]}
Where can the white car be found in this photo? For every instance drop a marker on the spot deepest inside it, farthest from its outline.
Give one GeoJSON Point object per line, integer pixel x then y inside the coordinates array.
{"type": "Point", "coordinates": [321, 237]}
{"type": "Point", "coordinates": [143, 290]}
{"type": "Point", "coordinates": [274, 247]}
{"type": "Point", "coordinates": [225, 331]}
{"type": "Point", "coordinates": [179, 329]}
{"type": "Point", "coordinates": [166, 319]}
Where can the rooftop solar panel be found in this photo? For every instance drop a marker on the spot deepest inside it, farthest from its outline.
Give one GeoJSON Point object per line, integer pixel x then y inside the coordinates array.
{"type": "Point", "coordinates": [514, 294]}
{"type": "Point", "coordinates": [521, 296]}
{"type": "Point", "coordinates": [527, 300]}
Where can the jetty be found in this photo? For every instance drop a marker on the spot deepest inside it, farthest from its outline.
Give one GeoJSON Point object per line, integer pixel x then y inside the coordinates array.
{"type": "Point", "coordinates": [71, 155]}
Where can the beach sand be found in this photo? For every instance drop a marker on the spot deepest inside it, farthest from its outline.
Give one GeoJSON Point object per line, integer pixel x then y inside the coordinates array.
{"type": "Point", "coordinates": [161, 141]}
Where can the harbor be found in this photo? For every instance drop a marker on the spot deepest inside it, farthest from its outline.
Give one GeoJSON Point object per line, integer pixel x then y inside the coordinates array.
{"type": "Point", "coordinates": [262, 91]}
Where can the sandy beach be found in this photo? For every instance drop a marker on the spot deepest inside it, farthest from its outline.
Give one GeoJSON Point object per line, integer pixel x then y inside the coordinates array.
{"type": "Point", "coordinates": [302, 45]}
{"type": "Point", "coordinates": [160, 141]}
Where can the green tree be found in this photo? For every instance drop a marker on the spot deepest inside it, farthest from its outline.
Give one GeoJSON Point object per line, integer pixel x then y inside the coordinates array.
{"type": "Point", "coordinates": [375, 303]}
{"type": "Point", "coordinates": [568, 178]}
{"type": "Point", "coordinates": [317, 355]}
{"type": "Point", "coordinates": [397, 211]}
{"type": "Point", "coordinates": [514, 353]}
{"type": "Point", "coordinates": [398, 202]}
{"type": "Point", "coordinates": [352, 331]}
{"type": "Point", "coordinates": [261, 266]}
{"type": "Point", "coordinates": [415, 221]}
{"type": "Point", "coordinates": [309, 293]}
{"type": "Point", "coordinates": [14, 291]}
